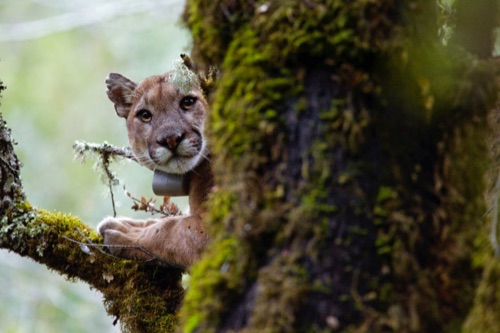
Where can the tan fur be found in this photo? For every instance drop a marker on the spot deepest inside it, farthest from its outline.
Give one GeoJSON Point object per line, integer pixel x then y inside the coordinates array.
{"type": "Point", "coordinates": [172, 141]}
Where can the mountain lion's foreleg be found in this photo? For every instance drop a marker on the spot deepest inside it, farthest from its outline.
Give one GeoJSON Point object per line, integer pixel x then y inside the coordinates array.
{"type": "Point", "coordinates": [175, 240]}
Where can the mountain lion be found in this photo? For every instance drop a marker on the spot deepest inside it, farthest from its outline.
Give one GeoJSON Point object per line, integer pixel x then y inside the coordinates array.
{"type": "Point", "coordinates": [165, 123]}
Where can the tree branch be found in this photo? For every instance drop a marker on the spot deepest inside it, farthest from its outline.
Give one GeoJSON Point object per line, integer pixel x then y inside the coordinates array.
{"type": "Point", "coordinates": [105, 153]}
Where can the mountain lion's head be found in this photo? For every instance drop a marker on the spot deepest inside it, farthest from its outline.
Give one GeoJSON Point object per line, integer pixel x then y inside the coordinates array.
{"type": "Point", "coordinates": [165, 122]}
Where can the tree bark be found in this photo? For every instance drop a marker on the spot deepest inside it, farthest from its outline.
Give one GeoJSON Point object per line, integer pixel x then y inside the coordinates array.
{"type": "Point", "coordinates": [350, 155]}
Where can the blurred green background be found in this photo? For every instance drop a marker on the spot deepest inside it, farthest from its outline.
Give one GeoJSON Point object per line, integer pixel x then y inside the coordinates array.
{"type": "Point", "coordinates": [54, 58]}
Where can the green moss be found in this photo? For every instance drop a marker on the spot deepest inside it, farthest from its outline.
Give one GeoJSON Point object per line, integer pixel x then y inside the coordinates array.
{"type": "Point", "coordinates": [215, 281]}
{"type": "Point", "coordinates": [484, 316]}
{"type": "Point", "coordinates": [281, 288]}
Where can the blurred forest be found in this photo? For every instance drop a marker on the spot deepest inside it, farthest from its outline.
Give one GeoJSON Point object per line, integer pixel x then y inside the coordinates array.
{"type": "Point", "coordinates": [54, 57]}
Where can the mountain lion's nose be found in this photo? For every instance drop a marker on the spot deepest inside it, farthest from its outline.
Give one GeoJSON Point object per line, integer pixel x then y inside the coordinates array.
{"type": "Point", "coordinates": [171, 141]}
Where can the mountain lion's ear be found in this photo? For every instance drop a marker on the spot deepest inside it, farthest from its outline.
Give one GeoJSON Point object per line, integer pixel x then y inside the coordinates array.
{"type": "Point", "coordinates": [120, 91]}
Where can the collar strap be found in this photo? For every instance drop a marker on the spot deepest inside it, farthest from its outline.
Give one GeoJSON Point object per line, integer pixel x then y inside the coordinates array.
{"type": "Point", "coordinates": [169, 184]}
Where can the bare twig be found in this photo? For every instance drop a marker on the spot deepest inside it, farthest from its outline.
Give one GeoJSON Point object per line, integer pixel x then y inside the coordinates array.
{"type": "Point", "coordinates": [167, 208]}
{"type": "Point", "coordinates": [82, 149]}
{"type": "Point", "coordinates": [106, 152]}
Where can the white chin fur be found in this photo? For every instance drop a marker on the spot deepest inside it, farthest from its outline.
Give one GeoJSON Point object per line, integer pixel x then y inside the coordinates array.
{"type": "Point", "coordinates": [178, 164]}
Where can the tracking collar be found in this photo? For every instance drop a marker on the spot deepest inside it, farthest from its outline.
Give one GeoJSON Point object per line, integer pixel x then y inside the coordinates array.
{"type": "Point", "coordinates": [169, 184]}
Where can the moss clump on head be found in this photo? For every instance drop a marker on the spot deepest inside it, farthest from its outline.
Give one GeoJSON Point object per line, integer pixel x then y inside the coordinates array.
{"type": "Point", "coordinates": [183, 77]}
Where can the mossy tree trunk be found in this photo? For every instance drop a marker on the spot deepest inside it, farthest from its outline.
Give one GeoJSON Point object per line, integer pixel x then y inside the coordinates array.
{"type": "Point", "coordinates": [350, 154]}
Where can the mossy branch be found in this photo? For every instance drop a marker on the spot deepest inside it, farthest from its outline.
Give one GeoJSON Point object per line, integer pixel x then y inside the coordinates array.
{"type": "Point", "coordinates": [145, 298]}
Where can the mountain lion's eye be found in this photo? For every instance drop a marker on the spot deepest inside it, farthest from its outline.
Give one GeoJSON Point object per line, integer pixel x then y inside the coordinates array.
{"type": "Point", "coordinates": [144, 115]}
{"type": "Point", "coordinates": [187, 102]}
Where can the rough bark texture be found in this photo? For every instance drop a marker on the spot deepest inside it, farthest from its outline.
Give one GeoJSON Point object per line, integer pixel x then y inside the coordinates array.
{"type": "Point", "coordinates": [350, 155]}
